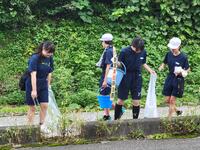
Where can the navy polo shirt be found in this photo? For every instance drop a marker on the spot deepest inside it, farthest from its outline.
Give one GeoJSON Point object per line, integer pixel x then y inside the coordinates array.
{"type": "Point", "coordinates": [132, 60]}
{"type": "Point", "coordinates": [172, 61]}
{"type": "Point", "coordinates": [107, 56]}
{"type": "Point", "coordinates": [42, 65]}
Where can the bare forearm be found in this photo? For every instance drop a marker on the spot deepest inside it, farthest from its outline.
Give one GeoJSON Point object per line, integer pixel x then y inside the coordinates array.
{"type": "Point", "coordinates": [33, 81]}
{"type": "Point", "coordinates": [49, 79]}
{"type": "Point", "coordinates": [147, 68]}
{"type": "Point", "coordinates": [188, 70]}
{"type": "Point", "coordinates": [106, 72]}
{"type": "Point", "coordinates": [162, 66]}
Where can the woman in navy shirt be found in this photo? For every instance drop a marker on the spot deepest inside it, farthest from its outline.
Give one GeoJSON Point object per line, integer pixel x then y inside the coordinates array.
{"type": "Point", "coordinates": [133, 57]}
{"type": "Point", "coordinates": [178, 68]}
{"type": "Point", "coordinates": [40, 67]}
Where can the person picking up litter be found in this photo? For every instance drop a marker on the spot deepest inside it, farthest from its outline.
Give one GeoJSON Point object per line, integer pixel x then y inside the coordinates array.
{"type": "Point", "coordinates": [133, 57]}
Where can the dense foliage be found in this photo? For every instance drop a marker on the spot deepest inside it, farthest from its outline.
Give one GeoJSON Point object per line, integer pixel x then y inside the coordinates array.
{"type": "Point", "coordinates": [76, 26]}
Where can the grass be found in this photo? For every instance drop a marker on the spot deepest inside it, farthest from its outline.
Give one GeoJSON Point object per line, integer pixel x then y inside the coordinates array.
{"type": "Point", "coordinates": [6, 147]}
{"type": "Point", "coordinates": [170, 136]}
{"type": "Point", "coordinates": [13, 110]}
{"type": "Point", "coordinates": [60, 142]}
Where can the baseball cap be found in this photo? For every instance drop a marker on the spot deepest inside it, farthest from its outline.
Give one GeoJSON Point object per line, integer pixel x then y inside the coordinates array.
{"type": "Point", "coordinates": [106, 37]}
{"type": "Point", "coordinates": [174, 43]}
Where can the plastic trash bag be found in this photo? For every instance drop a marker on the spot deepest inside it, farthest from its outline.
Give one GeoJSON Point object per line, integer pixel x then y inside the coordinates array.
{"type": "Point", "coordinates": [53, 115]}
{"type": "Point", "coordinates": [150, 110]}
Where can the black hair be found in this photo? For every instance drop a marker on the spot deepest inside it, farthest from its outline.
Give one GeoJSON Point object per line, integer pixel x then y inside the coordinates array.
{"type": "Point", "coordinates": [47, 45]}
{"type": "Point", "coordinates": [138, 43]}
{"type": "Point", "coordinates": [108, 42]}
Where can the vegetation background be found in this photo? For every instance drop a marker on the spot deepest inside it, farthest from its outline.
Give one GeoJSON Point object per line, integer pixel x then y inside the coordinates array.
{"type": "Point", "coordinates": [75, 26]}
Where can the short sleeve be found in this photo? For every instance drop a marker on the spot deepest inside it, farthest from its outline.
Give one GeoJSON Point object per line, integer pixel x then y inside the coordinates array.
{"type": "Point", "coordinates": [109, 55]}
{"type": "Point", "coordinates": [145, 57]}
{"type": "Point", "coordinates": [186, 64]}
{"type": "Point", "coordinates": [33, 63]}
{"type": "Point", "coordinates": [51, 65]}
{"type": "Point", "coordinates": [165, 61]}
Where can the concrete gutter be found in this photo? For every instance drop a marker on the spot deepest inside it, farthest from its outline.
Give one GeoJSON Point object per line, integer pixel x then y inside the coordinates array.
{"type": "Point", "coordinates": [19, 134]}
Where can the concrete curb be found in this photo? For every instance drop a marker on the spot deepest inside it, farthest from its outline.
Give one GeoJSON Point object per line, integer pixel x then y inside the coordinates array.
{"type": "Point", "coordinates": [19, 134]}
{"type": "Point", "coordinates": [102, 129]}
{"type": "Point", "coordinates": [124, 128]}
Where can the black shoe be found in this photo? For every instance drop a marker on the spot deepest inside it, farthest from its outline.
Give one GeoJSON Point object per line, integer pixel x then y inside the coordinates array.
{"type": "Point", "coordinates": [179, 112]}
{"type": "Point", "coordinates": [105, 118]}
{"type": "Point", "coordinates": [135, 111]}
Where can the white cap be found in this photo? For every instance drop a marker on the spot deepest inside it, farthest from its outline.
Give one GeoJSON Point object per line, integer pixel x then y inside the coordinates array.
{"type": "Point", "coordinates": [106, 37]}
{"type": "Point", "coordinates": [174, 43]}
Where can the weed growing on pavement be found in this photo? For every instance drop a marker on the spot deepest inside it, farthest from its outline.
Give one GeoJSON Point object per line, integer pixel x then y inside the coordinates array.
{"type": "Point", "coordinates": [169, 136]}
{"type": "Point", "coordinates": [12, 135]}
{"type": "Point", "coordinates": [70, 127]}
{"type": "Point", "coordinates": [105, 129]}
{"type": "Point", "coordinates": [136, 134]}
{"type": "Point", "coordinates": [66, 128]}
{"type": "Point", "coordinates": [5, 147]}
{"type": "Point", "coordinates": [18, 135]}
{"type": "Point", "coordinates": [181, 126]}
{"type": "Point", "coordinates": [57, 141]}
{"type": "Point", "coordinates": [159, 136]}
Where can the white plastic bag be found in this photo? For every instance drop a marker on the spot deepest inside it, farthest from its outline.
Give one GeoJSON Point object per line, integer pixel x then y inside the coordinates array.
{"type": "Point", "coordinates": [150, 110]}
{"type": "Point", "coordinates": [53, 115]}
{"type": "Point", "coordinates": [178, 69]}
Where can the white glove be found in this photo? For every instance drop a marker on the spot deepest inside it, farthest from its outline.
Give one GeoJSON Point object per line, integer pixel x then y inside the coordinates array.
{"type": "Point", "coordinates": [184, 73]}
{"type": "Point", "coordinates": [178, 69]}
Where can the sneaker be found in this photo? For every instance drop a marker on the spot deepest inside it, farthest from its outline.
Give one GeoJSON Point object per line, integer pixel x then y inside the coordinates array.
{"type": "Point", "coordinates": [105, 118]}
{"type": "Point", "coordinates": [179, 112]}
{"type": "Point", "coordinates": [44, 129]}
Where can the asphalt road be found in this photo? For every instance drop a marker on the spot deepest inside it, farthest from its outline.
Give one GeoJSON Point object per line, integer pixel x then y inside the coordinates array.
{"type": "Point", "coordinates": [171, 144]}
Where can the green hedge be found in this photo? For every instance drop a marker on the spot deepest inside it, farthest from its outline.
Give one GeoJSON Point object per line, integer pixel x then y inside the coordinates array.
{"type": "Point", "coordinates": [75, 27]}
{"type": "Point", "coordinates": [77, 51]}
